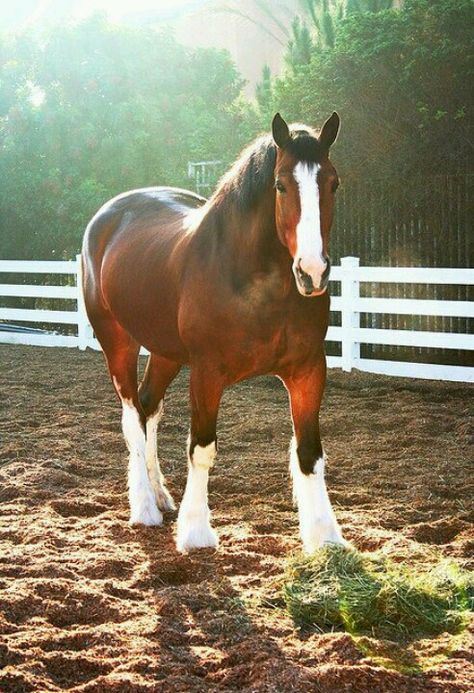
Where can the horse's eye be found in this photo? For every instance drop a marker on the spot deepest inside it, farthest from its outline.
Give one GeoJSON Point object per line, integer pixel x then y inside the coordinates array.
{"type": "Point", "coordinates": [335, 185]}
{"type": "Point", "coordinates": [279, 186]}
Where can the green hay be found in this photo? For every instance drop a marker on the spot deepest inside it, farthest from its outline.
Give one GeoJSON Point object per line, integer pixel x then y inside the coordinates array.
{"type": "Point", "coordinates": [415, 657]}
{"type": "Point", "coordinates": [367, 593]}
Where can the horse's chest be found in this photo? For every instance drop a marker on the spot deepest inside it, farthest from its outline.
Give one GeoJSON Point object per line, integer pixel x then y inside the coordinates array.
{"type": "Point", "coordinates": [252, 329]}
{"type": "Point", "coordinates": [247, 340]}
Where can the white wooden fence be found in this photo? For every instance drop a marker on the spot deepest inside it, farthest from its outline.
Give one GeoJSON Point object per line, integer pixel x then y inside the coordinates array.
{"type": "Point", "coordinates": [350, 303]}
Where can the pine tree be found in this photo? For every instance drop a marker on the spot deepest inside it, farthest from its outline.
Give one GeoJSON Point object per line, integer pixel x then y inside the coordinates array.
{"type": "Point", "coordinates": [264, 94]}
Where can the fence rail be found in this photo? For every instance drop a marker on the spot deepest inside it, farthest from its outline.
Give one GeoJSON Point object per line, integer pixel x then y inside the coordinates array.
{"type": "Point", "coordinates": [350, 305]}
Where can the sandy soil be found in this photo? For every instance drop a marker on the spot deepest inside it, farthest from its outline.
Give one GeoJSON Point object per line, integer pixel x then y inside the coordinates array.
{"type": "Point", "coordinates": [89, 604]}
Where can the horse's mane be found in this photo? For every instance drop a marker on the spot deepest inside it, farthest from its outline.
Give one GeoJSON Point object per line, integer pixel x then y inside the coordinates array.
{"type": "Point", "coordinates": [250, 176]}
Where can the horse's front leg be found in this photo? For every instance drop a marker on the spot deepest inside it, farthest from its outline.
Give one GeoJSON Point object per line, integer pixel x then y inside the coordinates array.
{"type": "Point", "coordinates": [194, 527]}
{"type": "Point", "coordinates": [318, 524]}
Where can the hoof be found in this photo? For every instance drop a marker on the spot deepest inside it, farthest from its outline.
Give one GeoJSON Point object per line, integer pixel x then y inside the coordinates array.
{"type": "Point", "coordinates": [338, 542]}
{"type": "Point", "coordinates": [146, 513]}
{"type": "Point", "coordinates": [195, 533]}
{"type": "Point", "coordinates": [317, 537]}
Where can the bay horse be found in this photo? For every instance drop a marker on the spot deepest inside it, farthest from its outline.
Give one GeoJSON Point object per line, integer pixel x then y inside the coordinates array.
{"type": "Point", "coordinates": [234, 287]}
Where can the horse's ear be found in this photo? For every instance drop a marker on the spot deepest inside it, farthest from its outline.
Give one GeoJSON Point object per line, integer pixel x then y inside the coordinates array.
{"type": "Point", "coordinates": [329, 131]}
{"type": "Point", "coordinates": [280, 131]}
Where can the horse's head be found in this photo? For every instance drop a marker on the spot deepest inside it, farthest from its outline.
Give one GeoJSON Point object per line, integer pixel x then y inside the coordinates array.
{"type": "Point", "coordinates": [305, 183]}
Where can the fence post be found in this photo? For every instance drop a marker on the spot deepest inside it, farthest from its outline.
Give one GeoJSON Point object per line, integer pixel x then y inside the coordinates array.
{"type": "Point", "coordinates": [350, 319]}
{"type": "Point", "coordinates": [84, 330]}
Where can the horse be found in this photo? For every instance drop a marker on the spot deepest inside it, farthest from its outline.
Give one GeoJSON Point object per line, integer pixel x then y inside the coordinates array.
{"type": "Point", "coordinates": [232, 287]}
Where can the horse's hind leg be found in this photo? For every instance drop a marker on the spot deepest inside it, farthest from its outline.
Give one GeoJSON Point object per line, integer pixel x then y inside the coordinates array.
{"type": "Point", "coordinates": [121, 353]}
{"type": "Point", "coordinates": [158, 375]}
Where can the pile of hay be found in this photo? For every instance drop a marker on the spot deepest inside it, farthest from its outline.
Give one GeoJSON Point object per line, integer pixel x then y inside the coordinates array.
{"type": "Point", "coordinates": [337, 588]}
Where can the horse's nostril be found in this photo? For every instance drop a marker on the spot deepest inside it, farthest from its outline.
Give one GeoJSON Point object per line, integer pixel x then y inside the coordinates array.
{"type": "Point", "coordinates": [301, 272]}
{"type": "Point", "coordinates": [305, 279]}
{"type": "Point", "coordinates": [327, 270]}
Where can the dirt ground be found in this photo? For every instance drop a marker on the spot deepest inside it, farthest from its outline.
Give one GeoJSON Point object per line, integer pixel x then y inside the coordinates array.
{"type": "Point", "coordinates": [88, 603]}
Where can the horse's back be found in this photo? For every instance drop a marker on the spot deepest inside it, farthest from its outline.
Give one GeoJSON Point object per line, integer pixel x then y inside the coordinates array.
{"type": "Point", "coordinates": [150, 206]}
{"type": "Point", "coordinates": [131, 260]}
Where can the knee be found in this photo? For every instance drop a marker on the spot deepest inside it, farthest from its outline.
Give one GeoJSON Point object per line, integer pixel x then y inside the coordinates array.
{"type": "Point", "coordinates": [308, 456]}
{"type": "Point", "coordinates": [201, 441]}
{"type": "Point", "coordinates": [150, 404]}
{"type": "Point", "coordinates": [202, 453]}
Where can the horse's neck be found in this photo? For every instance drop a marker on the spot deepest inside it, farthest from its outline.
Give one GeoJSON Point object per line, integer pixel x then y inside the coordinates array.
{"type": "Point", "coordinates": [248, 241]}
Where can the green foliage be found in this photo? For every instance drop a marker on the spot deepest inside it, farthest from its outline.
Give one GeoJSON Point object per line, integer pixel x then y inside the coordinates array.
{"type": "Point", "coordinates": [300, 46]}
{"type": "Point", "coordinates": [88, 111]}
{"type": "Point", "coordinates": [401, 80]}
{"type": "Point", "coordinates": [264, 95]}
{"type": "Point", "coordinates": [358, 6]}
{"type": "Point", "coordinates": [369, 593]}
{"type": "Point", "coordinates": [323, 14]}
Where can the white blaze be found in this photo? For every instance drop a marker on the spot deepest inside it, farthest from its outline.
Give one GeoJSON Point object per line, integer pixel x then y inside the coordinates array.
{"type": "Point", "coordinates": [309, 242]}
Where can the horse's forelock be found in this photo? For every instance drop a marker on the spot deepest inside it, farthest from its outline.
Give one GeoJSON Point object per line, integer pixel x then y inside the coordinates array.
{"type": "Point", "coordinates": [304, 144]}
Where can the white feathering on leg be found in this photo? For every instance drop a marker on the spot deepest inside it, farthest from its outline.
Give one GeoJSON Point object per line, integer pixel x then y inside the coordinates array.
{"type": "Point", "coordinates": [143, 510]}
{"type": "Point", "coordinates": [194, 527]}
{"type": "Point", "coordinates": [318, 524]}
{"type": "Point", "coordinates": [163, 497]}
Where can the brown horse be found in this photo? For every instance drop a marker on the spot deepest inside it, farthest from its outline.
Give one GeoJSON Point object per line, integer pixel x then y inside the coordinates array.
{"type": "Point", "coordinates": [235, 287]}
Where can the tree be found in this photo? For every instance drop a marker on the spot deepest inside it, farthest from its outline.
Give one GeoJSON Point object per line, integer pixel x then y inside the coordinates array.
{"type": "Point", "coordinates": [91, 110]}
{"type": "Point", "coordinates": [264, 94]}
{"type": "Point", "coordinates": [401, 81]}
{"type": "Point", "coordinates": [324, 14]}
{"type": "Point", "coordinates": [359, 6]}
{"type": "Point", "coordinates": [300, 46]}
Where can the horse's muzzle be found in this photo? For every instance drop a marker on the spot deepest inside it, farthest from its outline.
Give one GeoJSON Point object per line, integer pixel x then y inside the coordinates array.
{"type": "Point", "coordinates": [304, 281]}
